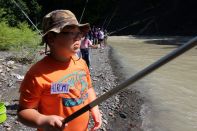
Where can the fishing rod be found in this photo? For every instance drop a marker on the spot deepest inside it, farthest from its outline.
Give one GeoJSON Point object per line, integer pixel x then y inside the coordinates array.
{"type": "Point", "coordinates": [146, 27]}
{"type": "Point", "coordinates": [104, 22]}
{"type": "Point", "coordinates": [152, 67]}
{"type": "Point", "coordinates": [131, 24]}
{"type": "Point", "coordinates": [114, 13]}
{"type": "Point", "coordinates": [27, 17]}
{"type": "Point", "coordinates": [83, 11]}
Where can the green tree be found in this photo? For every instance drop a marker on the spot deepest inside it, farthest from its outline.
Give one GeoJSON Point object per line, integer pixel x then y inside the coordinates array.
{"type": "Point", "coordinates": [34, 11]}
{"type": "Point", "coordinates": [13, 15]}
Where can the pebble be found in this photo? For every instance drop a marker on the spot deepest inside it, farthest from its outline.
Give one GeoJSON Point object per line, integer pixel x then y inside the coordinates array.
{"type": "Point", "coordinates": [8, 129]}
{"type": "Point", "coordinates": [104, 90]}
{"type": "Point", "coordinates": [8, 69]}
{"type": "Point", "coordinates": [16, 122]}
{"type": "Point", "coordinates": [15, 67]}
{"type": "Point", "coordinates": [3, 74]}
{"type": "Point", "coordinates": [6, 125]}
{"type": "Point", "coordinates": [6, 103]}
{"type": "Point", "coordinates": [122, 115]}
{"type": "Point", "coordinates": [94, 79]}
{"type": "Point", "coordinates": [117, 99]}
{"type": "Point", "coordinates": [105, 122]}
{"type": "Point", "coordinates": [10, 84]}
{"type": "Point", "coordinates": [1, 59]}
{"type": "Point", "coordinates": [111, 114]}
{"type": "Point", "coordinates": [10, 63]}
{"type": "Point", "coordinates": [103, 129]}
{"type": "Point", "coordinates": [4, 63]}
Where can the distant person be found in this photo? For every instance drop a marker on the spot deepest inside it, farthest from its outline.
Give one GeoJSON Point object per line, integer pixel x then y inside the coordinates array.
{"type": "Point", "coordinates": [100, 37]}
{"type": "Point", "coordinates": [85, 44]}
{"type": "Point", "coordinates": [96, 36]}
{"type": "Point", "coordinates": [60, 83]}
{"type": "Point", "coordinates": [105, 37]}
{"type": "Point", "coordinates": [93, 35]}
{"type": "Point", "coordinates": [90, 34]}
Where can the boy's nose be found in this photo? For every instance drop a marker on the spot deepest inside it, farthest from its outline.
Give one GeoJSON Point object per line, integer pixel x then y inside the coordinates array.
{"type": "Point", "coordinates": [77, 42]}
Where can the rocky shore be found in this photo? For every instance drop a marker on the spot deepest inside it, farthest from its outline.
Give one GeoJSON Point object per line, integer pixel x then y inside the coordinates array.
{"type": "Point", "coordinates": [120, 113]}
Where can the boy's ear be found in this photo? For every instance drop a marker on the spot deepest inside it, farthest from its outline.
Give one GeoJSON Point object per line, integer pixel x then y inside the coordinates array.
{"type": "Point", "coordinates": [50, 38]}
{"type": "Point", "coordinates": [84, 34]}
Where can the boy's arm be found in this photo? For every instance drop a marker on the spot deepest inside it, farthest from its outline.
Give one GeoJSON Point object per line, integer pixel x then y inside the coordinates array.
{"type": "Point", "coordinates": [95, 110]}
{"type": "Point", "coordinates": [91, 45]}
{"type": "Point", "coordinates": [94, 46]}
{"type": "Point", "coordinates": [91, 97]}
{"type": "Point", "coordinates": [32, 118]}
{"type": "Point", "coordinates": [30, 92]}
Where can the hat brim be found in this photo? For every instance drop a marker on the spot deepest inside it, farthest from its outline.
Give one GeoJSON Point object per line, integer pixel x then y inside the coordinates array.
{"type": "Point", "coordinates": [85, 28]}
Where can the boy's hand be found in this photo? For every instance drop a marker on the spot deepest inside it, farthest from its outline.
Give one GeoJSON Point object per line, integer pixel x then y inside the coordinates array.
{"type": "Point", "coordinates": [97, 118]}
{"type": "Point", "coordinates": [52, 123]}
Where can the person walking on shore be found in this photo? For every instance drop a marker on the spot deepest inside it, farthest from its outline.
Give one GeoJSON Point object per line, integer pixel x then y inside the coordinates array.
{"type": "Point", "coordinates": [85, 45]}
{"type": "Point", "coordinates": [101, 37]}
{"type": "Point", "coordinates": [105, 38]}
{"type": "Point", "coordinates": [95, 36]}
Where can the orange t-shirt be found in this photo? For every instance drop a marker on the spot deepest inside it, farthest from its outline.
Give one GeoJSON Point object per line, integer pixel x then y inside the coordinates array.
{"type": "Point", "coordinates": [58, 88]}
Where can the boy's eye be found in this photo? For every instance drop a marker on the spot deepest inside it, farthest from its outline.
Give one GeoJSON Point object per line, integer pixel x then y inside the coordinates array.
{"type": "Point", "coordinates": [72, 35]}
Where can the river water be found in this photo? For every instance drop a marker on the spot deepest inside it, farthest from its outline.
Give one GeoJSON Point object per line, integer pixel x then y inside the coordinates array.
{"type": "Point", "coordinates": [171, 91]}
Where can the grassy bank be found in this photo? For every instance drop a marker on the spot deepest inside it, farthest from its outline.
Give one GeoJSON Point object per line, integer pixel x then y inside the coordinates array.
{"type": "Point", "coordinates": [21, 40]}
{"type": "Point", "coordinates": [15, 38]}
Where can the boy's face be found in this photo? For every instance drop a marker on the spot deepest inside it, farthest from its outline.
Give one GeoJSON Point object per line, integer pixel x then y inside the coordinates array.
{"type": "Point", "coordinates": [66, 43]}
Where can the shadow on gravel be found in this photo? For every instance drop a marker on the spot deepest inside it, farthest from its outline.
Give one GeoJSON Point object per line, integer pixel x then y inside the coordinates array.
{"type": "Point", "coordinates": [22, 60]}
{"type": "Point", "coordinates": [12, 107]}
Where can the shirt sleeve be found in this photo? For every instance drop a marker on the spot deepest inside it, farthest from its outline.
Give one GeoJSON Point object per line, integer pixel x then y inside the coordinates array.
{"type": "Point", "coordinates": [90, 43]}
{"type": "Point", "coordinates": [30, 92]}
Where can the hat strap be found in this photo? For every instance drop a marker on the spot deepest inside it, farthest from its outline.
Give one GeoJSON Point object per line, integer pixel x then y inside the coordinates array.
{"type": "Point", "coordinates": [46, 50]}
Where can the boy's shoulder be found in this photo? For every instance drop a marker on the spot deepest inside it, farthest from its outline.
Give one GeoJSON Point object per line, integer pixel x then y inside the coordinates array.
{"type": "Point", "coordinates": [38, 66]}
{"type": "Point", "coordinates": [80, 61]}
{"type": "Point", "coordinates": [44, 66]}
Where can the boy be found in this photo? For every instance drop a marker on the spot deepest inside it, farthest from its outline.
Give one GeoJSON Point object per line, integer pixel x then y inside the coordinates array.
{"type": "Point", "coordinates": [60, 83]}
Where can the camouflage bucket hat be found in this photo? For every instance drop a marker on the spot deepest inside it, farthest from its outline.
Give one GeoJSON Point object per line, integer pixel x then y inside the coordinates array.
{"type": "Point", "coordinates": [56, 20]}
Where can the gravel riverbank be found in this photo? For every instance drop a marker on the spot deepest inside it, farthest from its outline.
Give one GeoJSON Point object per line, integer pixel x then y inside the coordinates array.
{"type": "Point", "coordinates": [120, 113]}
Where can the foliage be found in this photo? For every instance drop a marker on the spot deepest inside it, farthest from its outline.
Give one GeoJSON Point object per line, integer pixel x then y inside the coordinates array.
{"type": "Point", "coordinates": [13, 14]}
{"type": "Point", "coordinates": [13, 38]}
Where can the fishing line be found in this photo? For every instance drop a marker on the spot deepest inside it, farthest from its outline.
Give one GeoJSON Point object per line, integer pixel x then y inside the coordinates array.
{"type": "Point", "coordinates": [131, 24]}
{"type": "Point", "coordinates": [27, 17]}
{"type": "Point", "coordinates": [146, 27]}
{"type": "Point", "coordinates": [83, 11]}
{"type": "Point", "coordinates": [114, 13]}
